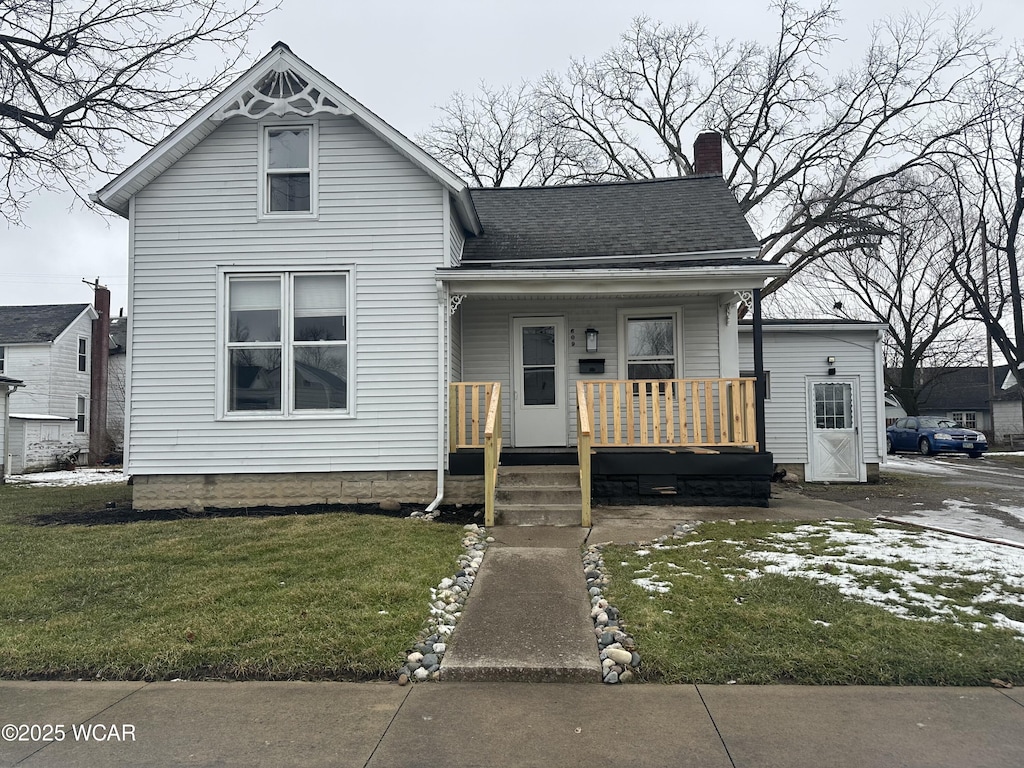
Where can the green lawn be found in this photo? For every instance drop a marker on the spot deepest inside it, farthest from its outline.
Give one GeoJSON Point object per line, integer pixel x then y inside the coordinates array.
{"type": "Point", "coordinates": [324, 596]}
{"type": "Point", "coordinates": [762, 603]}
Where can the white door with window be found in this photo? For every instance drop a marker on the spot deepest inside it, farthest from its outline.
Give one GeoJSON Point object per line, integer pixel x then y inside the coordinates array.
{"type": "Point", "coordinates": [539, 408]}
{"type": "Point", "coordinates": [834, 451]}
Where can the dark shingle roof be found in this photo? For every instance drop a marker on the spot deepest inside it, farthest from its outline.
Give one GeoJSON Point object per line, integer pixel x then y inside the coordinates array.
{"type": "Point", "coordinates": [37, 323]}
{"type": "Point", "coordinates": [689, 214]}
{"type": "Point", "coordinates": [118, 335]}
{"type": "Point", "coordinates": [958, 388]}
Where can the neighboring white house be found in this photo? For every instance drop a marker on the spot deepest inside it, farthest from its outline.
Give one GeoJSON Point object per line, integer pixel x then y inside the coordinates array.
{"type": "Point", "coordinates": [311, 293]}
{"type": "Point", "coordinates": [824, 411]}
{"type": "Point", "coordinates": [49, 348]}
{"type": "Point", "coordinates": [7, 386]}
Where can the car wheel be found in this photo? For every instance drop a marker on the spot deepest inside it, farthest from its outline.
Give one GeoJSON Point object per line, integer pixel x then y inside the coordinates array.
{"type": "Point", "coordinates": [975, 455]}
{"type": "Point", "coordinates": [924, 447]}
{"type": "Point", "coordinates": [888, 445]}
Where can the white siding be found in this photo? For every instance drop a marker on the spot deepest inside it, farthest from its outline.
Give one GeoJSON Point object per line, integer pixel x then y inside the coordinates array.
{"type": "Point", "coordinates": [487, 344]}
{"type": "Point", "coordinates": [456, 239]}
{"type": "Point", "coordinates": [1006, 420]}
{"type": "Point", "coordinates": [53, 382]}
{"type": "Point", "coordinates": [378, 213]}
{"type": "Point", "coordinates": [790, 357]}
{"type": "Point", "coordinates": [36, 444]}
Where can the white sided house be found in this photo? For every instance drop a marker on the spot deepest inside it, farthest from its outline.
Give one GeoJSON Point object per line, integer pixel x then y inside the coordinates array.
{"type": "Point", "coordinates": [321, 313]}
{"type": "Point", "coordinates": [49, 349]}
{"type": "Point", "coordinates": [824, 403]}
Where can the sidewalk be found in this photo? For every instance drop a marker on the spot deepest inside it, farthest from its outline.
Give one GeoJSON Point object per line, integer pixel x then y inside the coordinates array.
{"type": "Point", "coordinates": [514, 724]}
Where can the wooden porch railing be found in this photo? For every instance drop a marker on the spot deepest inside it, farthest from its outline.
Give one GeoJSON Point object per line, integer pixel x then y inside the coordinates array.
{"type": "Point", "coordinates": [669, 412]}
{"type": "Point", "coordinates": [474, 421]}
{"type": "Point", "coordinates": [584, 438]}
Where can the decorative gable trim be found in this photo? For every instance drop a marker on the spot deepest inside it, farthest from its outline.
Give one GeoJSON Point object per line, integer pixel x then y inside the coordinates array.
{"type": "Point", "coordinates": [260, 90]}
{"type": "Point", "coordinates": [282, 91]}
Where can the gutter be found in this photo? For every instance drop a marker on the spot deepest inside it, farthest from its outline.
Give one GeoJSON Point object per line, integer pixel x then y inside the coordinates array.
{"type": "Point", "coordinates": [8, 389]}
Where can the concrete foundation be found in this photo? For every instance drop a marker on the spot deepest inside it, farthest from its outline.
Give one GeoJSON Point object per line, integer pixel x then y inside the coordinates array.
{"type": "Point", "coordinates": [297, 489]}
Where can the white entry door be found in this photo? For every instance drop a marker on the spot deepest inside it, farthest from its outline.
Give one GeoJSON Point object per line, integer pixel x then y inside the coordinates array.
{"type": "Point", "coordinates": [539, 415]}
{"type": "Point", "coordinates": [834, 454]}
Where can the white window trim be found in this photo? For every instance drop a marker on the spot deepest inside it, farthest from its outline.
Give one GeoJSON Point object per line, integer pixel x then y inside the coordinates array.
{"type": "Point", "coordinates": [624, 315]}
{"type": "Point", "coordinates": [79, 355]}
{"type": "Point", "coordinates": [223, 360]}
{"type": "Point", "coordinates": [262, 204]}
{"type": "Point", "coordinates": [82, 400]}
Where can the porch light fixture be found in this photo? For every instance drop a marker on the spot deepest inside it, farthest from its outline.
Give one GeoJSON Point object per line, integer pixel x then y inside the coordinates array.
{"type": "Point", "coordinates": [591, 340]}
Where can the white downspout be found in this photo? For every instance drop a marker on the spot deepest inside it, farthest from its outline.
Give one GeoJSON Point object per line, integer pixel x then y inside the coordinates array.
{"type": "Point", "coordinates": [9, 389]}
{"type": "Point", "coordinates": [443, 332]}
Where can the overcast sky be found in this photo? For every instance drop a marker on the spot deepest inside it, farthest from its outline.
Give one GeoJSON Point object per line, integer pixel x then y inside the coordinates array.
{"type": "Point", "coordinates": [403, 58]}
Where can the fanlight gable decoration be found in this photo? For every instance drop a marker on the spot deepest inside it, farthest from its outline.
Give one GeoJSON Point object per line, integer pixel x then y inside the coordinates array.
{"type": "Point", "coordinates": [282, 91]}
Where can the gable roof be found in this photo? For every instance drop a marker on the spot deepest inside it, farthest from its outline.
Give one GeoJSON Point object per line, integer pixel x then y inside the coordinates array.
{"type": "Point", "coordinates": [674, 217]}
{"type": "Point", "coordinates": [327, 97]}
{"type": "Point", "coordinates": [958, 388]}
{"type": "Point", "coordinates": [37, 323]}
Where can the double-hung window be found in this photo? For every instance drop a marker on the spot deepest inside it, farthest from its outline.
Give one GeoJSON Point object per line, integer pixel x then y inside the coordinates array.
{"type": "Point", "coordinates": [288, 186]}
{"type": "Point", "coordinates": [1, 360]}
{"type": "Point", "coordinates": [83, 355]}
{"type": "Point", "coordinates": [80, 414]}
{"type": "Point", "coordinates": [288, 343]}
{"type": "Point", "coordinates": [650, 343]}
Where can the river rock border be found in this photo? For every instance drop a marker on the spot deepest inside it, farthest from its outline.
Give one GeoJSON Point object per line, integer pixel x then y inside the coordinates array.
{"type": "Point", "coordinates": [447, 599]}
{"type": "Point", "coordinates": [619, 658]}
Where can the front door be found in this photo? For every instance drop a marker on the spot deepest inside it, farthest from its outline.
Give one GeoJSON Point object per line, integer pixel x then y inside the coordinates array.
{"type": "Point", "coordinates": [834, 453]}
{"type": "Point", "coordinates": [539, 415]}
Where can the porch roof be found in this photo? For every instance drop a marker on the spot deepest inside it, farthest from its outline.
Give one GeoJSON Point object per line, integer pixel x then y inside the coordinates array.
{"type": "Point", "coordinates": [670, 218]}
{"type": "Point", "coordinates": [649, 280]}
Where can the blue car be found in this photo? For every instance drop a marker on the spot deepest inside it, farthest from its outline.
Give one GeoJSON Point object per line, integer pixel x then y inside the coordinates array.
{"type": "Point", "coordinates": [928, 435]}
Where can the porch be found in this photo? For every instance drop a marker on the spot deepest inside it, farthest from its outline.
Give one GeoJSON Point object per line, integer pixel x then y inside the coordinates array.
{"type": "Point", "coordinates": [653, 441]}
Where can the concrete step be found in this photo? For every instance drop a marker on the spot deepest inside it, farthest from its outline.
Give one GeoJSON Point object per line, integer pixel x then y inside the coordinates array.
{"type": "Point", "coordinates": [555, 476]}
{"type": "Point", "coordinates": [538, 514]}
{"type": "Point", "coordinates": [540, 495]}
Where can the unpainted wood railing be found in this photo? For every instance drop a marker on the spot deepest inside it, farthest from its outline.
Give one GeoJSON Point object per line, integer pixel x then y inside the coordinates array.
{"type": "Point", "coordinates": [645, 413]}
{"type": "Point", "coordinates": [584, 439]}
{"type": "Point", "coordinates": [474, 421]}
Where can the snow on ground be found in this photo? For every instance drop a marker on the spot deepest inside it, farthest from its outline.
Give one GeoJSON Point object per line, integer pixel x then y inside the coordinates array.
{"type": "Point", "coordinates": [917, 466]}
{"type": "Point", "coordinates": [82, 476]}
{"type": "Point", "coordinates": [910, 573]}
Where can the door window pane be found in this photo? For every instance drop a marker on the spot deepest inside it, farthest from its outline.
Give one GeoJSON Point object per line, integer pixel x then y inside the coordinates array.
{"type": "Point", "coordinates": [539, 386]}
{"type": "Point", "coordinates": [539, 345]}
{"type": "Point", "coordinates": [833, 406]}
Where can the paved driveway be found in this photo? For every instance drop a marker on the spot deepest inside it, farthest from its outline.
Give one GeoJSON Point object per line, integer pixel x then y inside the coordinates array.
{"type": "Point", "coordinates": [983, 497]}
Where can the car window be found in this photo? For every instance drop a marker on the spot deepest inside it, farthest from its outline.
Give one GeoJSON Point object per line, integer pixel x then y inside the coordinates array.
{"type": "Point", "coordinates": [901, 423]}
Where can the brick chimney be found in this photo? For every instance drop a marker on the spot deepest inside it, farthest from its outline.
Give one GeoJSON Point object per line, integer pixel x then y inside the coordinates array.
{"type": "Point", "coordinates": [98, 385]}
{"type": "Point", "coordinates": [707, 153]}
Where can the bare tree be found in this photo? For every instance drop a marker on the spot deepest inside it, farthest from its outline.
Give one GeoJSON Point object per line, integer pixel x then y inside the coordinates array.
{"type": "Point", "coordinates": [901, 276]}
{"type": "Point", "coordinates": [80, 79]}
{"type": "Point", "coordinates": [985, 166]}
{"type": "Point", "coordinates": [806, 147]}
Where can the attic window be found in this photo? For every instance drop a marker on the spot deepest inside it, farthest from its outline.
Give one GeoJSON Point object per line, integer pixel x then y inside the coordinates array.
{"type": "Point", "coordinates": [288, 186]}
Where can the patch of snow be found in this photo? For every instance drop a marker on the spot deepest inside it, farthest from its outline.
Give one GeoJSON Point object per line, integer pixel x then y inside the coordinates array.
{"type": "Point", "coordinates": [68, 478]}
{"type": "Point", "coordinates": [652, 585]}
{"type": "Point", "coordinates": [918, 466]}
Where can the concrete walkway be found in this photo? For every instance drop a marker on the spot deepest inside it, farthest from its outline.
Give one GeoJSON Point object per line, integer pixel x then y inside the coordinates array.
{"type": "Point", "coordinates": [378, 725]}
{"type": "Point", "coordinates": [528, 616]}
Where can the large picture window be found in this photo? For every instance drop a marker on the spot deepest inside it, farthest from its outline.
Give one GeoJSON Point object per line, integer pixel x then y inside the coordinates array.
{"type": "Point", "coordinates": [288, 156]}
{"type": "Point", "coordinates": [288, 343]}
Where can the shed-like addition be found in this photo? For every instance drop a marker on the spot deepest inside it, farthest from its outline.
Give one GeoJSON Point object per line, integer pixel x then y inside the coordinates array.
{"type": "Point", "coordinates": [824, 404]}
